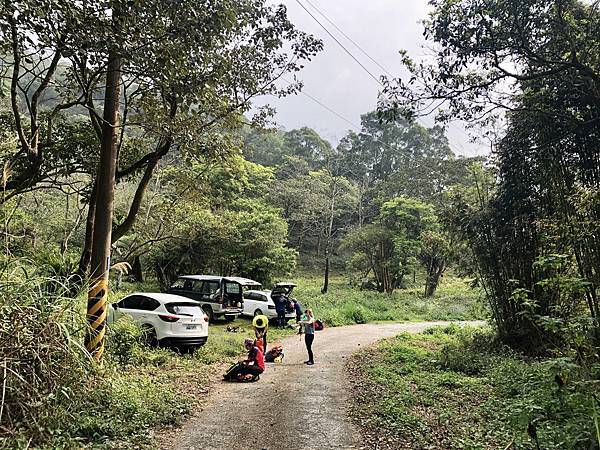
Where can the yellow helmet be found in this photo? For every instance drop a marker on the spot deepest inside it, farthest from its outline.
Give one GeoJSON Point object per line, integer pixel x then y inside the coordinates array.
{"type": "Point", "coordinates": [260, 321]}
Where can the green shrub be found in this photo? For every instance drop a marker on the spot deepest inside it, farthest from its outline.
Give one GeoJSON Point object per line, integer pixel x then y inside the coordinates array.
{"type": "Point", "coordinates": [468, 391]}
{"type": "Point", "coordinates": [123, 341]}
{"type": "Point", "coordinates": [355, 313]}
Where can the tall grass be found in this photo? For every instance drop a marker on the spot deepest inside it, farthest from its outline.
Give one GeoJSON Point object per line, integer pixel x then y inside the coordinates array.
{"type": "Point", "coordinates": [345, 304]}
{"type": "Point", "coordinates": [52, 395]}
{"type": "Point", "coordinates": [44, 367]}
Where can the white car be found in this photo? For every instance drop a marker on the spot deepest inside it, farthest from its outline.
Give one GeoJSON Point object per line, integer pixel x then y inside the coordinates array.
{"type": "Point", "coordinates": [260, 302]}
{"type": "Point", "coordinates": [169, 320]}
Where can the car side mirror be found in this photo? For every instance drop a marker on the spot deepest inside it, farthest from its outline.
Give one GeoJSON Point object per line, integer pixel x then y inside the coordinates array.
{"type": "Point", "coordinates": [115, 305]}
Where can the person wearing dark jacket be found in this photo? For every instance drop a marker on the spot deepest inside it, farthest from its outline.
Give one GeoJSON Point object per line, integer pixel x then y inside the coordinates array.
{"type": "Point", "coordinates": [298, 311]}
{"type": "Point", "coordinates": [280, 306]}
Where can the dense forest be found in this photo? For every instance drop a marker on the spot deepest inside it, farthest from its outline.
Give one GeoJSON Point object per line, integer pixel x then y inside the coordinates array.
{"type": "Point", "coordinates": [204, 183]}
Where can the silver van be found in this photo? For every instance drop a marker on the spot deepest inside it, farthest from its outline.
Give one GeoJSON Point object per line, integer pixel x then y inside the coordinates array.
{"type": "Point", "coordinates": [219, 296]}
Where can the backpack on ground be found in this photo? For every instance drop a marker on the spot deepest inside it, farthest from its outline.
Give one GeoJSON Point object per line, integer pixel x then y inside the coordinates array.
{"type": "Point", "coordinates": [229, 374]}
{"type": "Point", "coordinates": [275, 352]}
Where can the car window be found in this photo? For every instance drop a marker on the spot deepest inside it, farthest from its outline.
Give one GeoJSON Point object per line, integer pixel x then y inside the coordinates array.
{"type": "Point", "coordinates": [131, 302]}
{"type": "Point", "coordinates": [233, 288]}
{"type": "Point", "coordinates": [179, 284]}
{"type": "Point", "coordinates": [263, 298]}
{"type": "Point", "coordinates": [148, 304]}
{"type": "Point", "coordinates": [197, 286]}
{"type": "Point", "coordinates": [210, 287]}
{"type": "Point", "coordinates": [252, 296]}
{"type": "Point", "coordinates": [184, 308]}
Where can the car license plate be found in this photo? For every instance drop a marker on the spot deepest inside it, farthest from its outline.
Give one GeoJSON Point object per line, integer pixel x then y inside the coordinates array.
{"type": "Point", "coordinates": [190, 327]}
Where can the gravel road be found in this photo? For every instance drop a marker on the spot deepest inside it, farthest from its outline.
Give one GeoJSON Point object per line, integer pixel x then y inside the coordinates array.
{"type": "Point", "coordinates": [293, 406]}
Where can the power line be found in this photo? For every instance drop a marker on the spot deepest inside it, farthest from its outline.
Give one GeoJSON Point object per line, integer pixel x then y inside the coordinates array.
{"type": "Point", "coordinates": [349, 38]}
{"type": "Point", "coordinates": [356, 60]}
{"type": "Point", "coordinates": [330, 110]}
{"type": "Point", "coordinates": [323, 105]}
{"type": "Point", "coordinates": [339, 43]}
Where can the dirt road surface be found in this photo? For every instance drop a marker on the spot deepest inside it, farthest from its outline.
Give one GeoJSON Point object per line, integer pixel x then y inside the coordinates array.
{"type": "Point", "coordinates": [293, 406]}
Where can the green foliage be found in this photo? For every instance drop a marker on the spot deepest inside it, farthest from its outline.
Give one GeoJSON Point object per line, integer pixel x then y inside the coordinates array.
{"type": "Point", "coordinates": [388, 248]}
{"type": "Point", "coordinates": [456, 388]}
{"type": "Point", "coordinates": [43, 364]}
{"type": "Point", "coordinates": [247, 239]}
{"type": "Point", "coordinates": [398, 158]}
{"type": "Point", "coordinates": [124, 340]}
{"type": "Point", "coordinates": [55, 396]}
{"type": "Point", "coordinates": [188, 81]}
{"type": "Point", "coordinates": [545, 201]}
{"type": "Point", "coordinates": [344, 304]}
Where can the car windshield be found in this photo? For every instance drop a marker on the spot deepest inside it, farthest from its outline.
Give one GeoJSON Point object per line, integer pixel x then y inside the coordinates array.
{"type": "Point", "coordinates": [184, 309]}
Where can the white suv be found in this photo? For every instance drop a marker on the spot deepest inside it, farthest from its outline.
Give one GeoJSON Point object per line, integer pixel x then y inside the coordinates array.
{"type": "Point", "coordinates": [168, 320]}
{"type": "Point", "coordinates": [260, 302]}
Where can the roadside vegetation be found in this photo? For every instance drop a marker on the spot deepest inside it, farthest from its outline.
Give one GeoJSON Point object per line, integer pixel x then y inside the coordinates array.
{"type": "Point", "coordinates": [61, 400]}
{"type": "Point", "coordinates": [54, 397]}
{"type": "Point", "coordinates": [529, 228]}
{"type": "Point", "coordinates": [346, 304]}
{"type": "Point", "coordinates": [461, 388]}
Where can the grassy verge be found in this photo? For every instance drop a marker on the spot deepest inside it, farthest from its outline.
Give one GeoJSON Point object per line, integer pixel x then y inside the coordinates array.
{"type": "Point", "coordinates": [345, 305]}
{"type": "Point", "coordinates": [453, 388]}
{"type": "Point", "coordinates": [155, 388]}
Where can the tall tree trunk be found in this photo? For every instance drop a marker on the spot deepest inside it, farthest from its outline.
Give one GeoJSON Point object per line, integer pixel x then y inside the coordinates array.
{"type": "Point", "coordinates": [136, 269]}
{"type": "Point", "coordinates": [86, 253]}
{"type": "Point", "coordinates": [101, 237]}
{"type": "Point", "coordinates": [328, 240]}
{"type": "Point", "coordinates": [326, 280]}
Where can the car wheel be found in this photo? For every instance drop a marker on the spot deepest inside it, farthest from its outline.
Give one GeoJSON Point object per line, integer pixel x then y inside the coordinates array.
{"type": "Point", "coordinates": [150, 336]}
{"type": "Point", "coordinates": [209, 312]}
{"type": "Point", "coordinates": [258, 312]}
{"type": "Point", "coordinates": [187, 350]}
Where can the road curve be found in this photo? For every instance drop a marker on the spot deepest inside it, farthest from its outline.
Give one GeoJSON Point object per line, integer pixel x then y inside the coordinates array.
{"type": "Point", "coordinates": [293, 406]}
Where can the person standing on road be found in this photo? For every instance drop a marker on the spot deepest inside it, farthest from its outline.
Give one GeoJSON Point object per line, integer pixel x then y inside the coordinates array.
{"type": "Point", "coordinates": [309, 334]}
{"type": "Point", "coordinates": [280, 301]}
{"type": "Point", "coordinates": [260, 324]}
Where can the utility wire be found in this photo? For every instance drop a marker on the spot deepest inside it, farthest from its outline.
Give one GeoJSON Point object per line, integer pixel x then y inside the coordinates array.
{"type": "Point", "coordinates": [349, 38]}
{"type": "Point", "coordinates": [323, 105]}
{"type": "Point", "coordinates": [339, 43]}
{"type": "Point", "coordinates": [355, 59]}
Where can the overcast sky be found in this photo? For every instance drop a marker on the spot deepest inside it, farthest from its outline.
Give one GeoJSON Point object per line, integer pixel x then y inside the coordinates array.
{"type": "Point", "coordinates": [381, 28]}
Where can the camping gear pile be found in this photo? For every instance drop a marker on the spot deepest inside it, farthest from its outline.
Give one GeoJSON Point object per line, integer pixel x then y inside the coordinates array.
{"type": "Point", "coordinates": [275, 354]}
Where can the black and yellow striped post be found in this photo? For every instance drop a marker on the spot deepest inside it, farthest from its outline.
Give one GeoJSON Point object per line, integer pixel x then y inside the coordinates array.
{"type": "Point", "coordinates": [103, 216]}
{"type": "Point", "coordinates": [96, 318]}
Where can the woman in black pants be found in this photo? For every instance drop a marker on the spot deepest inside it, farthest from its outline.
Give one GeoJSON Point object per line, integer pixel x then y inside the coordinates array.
{"type": "Point", "coordinates": [309, 335]}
